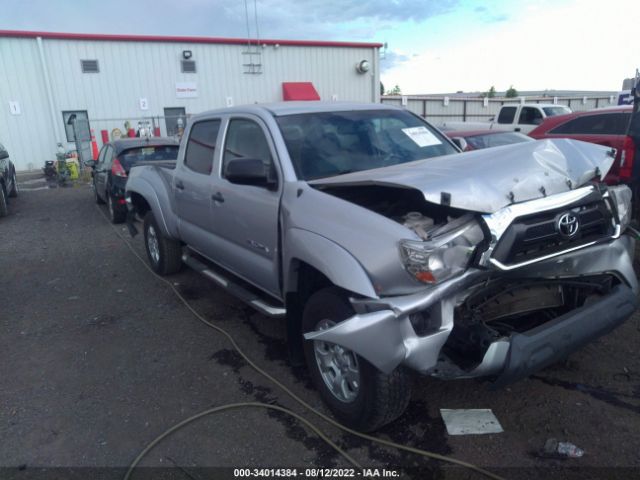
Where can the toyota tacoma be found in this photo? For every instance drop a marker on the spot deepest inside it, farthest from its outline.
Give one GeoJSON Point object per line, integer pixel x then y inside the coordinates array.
{"type": "Point", "coordinates": [387, 251]}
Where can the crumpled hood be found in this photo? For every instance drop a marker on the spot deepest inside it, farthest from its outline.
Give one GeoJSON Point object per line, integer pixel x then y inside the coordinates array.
{"type": "Point", "coordinates": [488, 180]}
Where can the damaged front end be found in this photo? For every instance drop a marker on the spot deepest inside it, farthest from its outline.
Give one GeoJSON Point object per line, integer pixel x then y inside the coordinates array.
{"type": "Point", "coordinates": [508, 292]}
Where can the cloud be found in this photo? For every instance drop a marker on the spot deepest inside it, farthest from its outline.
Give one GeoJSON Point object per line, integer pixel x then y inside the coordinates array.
{"type": "Point", "coordinates": [392, 59]}
{"type": "Point", "coordinates": [304, 19]}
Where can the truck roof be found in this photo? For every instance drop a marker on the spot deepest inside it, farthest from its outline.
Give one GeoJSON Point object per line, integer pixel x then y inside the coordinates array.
{"type": "Point", "coordinates": [293, 108]}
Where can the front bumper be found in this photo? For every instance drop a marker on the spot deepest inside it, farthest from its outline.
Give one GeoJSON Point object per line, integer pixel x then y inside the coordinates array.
{"type": "Point", "coordinates": [382, 333]}
{"type": "Point", "coordinates": [542, 346]}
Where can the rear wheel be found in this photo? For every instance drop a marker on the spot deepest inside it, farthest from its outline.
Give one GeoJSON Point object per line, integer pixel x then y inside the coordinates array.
{"type": "Point", "coordinates": [4, 210]}
{"type": "Point", "coordinates": [165, 254]}
{"type": "Point", "coordinates": [357, 393]}
{"type": "Point", "coordinates": [14, 186]}
{"type": "Point", "coordinates": [116, 212]}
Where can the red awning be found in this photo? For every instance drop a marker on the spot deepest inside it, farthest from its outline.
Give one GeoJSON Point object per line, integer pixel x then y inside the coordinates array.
{"type": "Point", "coordinates": [299, 91]}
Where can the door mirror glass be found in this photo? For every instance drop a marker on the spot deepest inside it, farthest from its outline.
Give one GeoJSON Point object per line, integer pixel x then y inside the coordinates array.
{"type": "Point", "coordinates": [249, 171]}
{"type": "Point", "coordinates": [4, 154]}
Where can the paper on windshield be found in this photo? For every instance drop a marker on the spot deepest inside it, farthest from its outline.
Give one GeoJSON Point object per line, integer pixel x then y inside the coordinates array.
{"type": "Point", "coordinates": [421, 136]}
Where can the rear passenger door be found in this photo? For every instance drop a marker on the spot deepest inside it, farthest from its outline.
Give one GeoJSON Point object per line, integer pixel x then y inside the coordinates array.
{"type": "Point", "coordinates": [246, 216]}
{"type": "Point", "coordinates": [193, 180]}
{"type": "Point", "coordinates": [102, 169]}
{"type": "Point", "coordinates": [530, 118]}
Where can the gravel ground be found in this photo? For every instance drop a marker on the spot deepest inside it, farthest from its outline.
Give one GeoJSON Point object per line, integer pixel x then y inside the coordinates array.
{"type": "Point", "coordinates": [98, 357]}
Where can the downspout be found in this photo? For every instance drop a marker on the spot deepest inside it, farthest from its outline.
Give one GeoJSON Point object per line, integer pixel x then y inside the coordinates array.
{"type": "Point", "coordinates": [375, 76]}
{"type": "Point", "coordinates": [47, 84]}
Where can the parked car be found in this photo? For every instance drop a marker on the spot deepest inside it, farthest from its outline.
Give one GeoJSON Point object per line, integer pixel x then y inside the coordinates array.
{"type": "Point", "coordinates": [8, 182]}
{"type": "Point", "coordinates": [479, 139]}
{"type": "Point", "coordinates": [604, 126]}
{"type": "Point", "coordinates": [112, 167]}
{"type": "Point", "coordinates": [517, 117]}
{"type": "Point", "coordinates": [387, 250]}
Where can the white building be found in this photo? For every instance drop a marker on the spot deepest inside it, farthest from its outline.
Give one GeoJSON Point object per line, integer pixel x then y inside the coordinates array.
{"type": "Point", "coordinates": [45, 78]}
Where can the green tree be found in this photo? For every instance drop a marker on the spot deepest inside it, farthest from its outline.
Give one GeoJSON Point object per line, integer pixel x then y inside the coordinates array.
{"type": "Point", "coordinates": [492, 92]}
{"type": "Point", "coordinates": [511, 93]}
{"type": "Point", "coordinates": [395, 91]}
{"type": "Point", "coordinates": [381, 88]}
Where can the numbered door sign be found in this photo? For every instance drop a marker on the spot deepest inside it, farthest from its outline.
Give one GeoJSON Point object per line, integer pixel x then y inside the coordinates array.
{"type": "Point", "coordinates": [144, 105]}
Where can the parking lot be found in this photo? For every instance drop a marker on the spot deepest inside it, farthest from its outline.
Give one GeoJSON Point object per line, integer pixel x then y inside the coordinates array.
{"type": "Point", "coordinates": [99, 357]}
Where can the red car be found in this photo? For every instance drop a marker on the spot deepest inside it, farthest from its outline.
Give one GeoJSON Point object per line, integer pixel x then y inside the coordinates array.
{"type": "Point", "coordinates": [604, 126]}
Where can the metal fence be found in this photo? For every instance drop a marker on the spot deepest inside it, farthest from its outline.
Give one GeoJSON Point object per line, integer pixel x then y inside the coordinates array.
{"type": "Point", "coordinates": [443, 109]}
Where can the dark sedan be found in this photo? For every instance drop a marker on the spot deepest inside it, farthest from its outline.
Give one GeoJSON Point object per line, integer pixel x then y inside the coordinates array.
{"type": "Point", "coordinates": [8, 183]}
{"type": "Point", "coordinates": [478, 139]}
{"type": "Point", "coordinates": [116, 158]}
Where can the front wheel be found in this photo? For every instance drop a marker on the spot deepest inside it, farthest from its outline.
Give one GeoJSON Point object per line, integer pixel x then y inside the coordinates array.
{"type": "Point", "coordinates": [357, 393]}
{"type": "Point", "coordinates": [165, 254]}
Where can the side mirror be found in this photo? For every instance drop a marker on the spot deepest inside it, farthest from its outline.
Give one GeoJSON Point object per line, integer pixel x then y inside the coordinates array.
{"type": "Point", "coordinates": [460, 142]}
{"type": "Point", "coordinates": [249, 171]}
{"type": "Point", "coordinates": [4, 154]}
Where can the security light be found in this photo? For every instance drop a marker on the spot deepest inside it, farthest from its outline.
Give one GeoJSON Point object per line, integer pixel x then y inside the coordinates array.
{"type": "Point", "coordinates": [363, 66]}
{"type": "Point", "coordinates": [186, 54]}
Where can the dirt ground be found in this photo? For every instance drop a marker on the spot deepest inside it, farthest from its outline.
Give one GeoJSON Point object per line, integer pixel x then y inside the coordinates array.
{"type": "Point", "coordinates": [98, 357]}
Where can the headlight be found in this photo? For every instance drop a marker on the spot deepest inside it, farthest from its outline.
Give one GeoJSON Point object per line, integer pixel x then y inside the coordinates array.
{"type": "Point", "coordinates": [445, 254]}
{"type": "Point", "coordinates": [621, 195]}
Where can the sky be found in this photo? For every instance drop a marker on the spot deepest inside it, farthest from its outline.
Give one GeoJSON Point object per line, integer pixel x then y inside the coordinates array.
{"type": "Point", "coordinates": [433, 46]}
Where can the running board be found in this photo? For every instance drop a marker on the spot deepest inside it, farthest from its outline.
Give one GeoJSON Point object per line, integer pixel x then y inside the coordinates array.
{"type": "Point", "coordinates": [234, 288]}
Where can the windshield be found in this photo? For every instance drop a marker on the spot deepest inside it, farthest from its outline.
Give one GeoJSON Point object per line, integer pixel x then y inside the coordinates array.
{"type": "Point", "coordinates": [496, 139]}
{"type": "Point", "coordinates": [334, 143]}
{"type": "Point", "coordinates": [552, 111]}
{"type": "Point", "coordinates": [148, 153]}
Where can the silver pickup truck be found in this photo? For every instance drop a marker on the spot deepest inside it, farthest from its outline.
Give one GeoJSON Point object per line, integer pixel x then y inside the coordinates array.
{"type": "Point", "coordinates": [387, 250]}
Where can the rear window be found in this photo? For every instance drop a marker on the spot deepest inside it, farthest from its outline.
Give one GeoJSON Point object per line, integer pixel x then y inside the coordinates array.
{"type": "Point", "coordinates": [148, 154]}
{"type": "Point", "coordinates": [553, 111]}
{"type": "Point", "coordinates": [496, 139]}
{"type": "Point", "coordinates": [598, 124]}
{"type": "Point", "coordinates": [326, 144]}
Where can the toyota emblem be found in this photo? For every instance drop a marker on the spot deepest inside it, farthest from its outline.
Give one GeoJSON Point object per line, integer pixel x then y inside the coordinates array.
{"type": "Point", "coordinates": [568, 225]}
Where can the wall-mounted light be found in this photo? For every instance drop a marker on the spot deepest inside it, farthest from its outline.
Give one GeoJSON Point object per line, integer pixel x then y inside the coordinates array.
{"type": "Point", "coordinates": [186, 54]}
{"type": "Point", "coordinates": [363, 66]}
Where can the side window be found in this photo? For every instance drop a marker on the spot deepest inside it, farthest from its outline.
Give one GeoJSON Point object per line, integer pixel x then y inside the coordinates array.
{"type": "Point", "coordinates": [201, 146]}
{"type": "Point", "coordinates": [103, 152]}
{"type": "Point", "coordinates": [245, 139]}
{"type": "Point", "coordinates": [530, 116]}
{"type": "Point", "coordinates": [604, 124]}
{"type": "Point", "coordinates": [507, 115]}
{"type": "Point", "coordinates": [108, 157]}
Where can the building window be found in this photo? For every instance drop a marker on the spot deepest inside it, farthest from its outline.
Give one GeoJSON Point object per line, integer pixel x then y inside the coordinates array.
{"type": "Point", "coordinates": [77, 118]}
{"type": "Point", "coordinates": [89, 66]}
{"type": "Point", "coordinates": [188, 66]}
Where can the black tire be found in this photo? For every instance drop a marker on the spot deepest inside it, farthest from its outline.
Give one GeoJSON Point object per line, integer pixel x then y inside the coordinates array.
{"type": "Point", "coordinates": [117, 214]}
{"type": "Point", "coordinates": [380, 398]}
{"type": "Point", "coordinates": [98, 199]}
{"type": "Point", "coordinates": [4, 209]}
{"type": "Point", "coordinates": [169, 252]}
{"type": "Point", "coordinates": [14, 188]}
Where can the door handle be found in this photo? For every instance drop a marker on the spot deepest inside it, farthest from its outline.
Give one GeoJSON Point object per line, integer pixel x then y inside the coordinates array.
{"type": "Point", "coordinates": [179, 185]}
{"type": "Point", "coordinates": [217, 197]}
{"type": "Point", "coordinates": [516, 129]}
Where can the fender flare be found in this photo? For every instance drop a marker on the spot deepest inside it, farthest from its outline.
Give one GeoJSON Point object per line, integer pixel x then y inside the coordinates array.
{"type": "Point", "coordinates": [145, 190]}
{"type": "Point", "coordinates": [329, 258]}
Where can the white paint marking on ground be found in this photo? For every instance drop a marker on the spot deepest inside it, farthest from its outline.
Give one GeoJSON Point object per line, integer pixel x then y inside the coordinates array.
{"type": "Point", "coordinates": [470, 421]}
{"type": "Point", "coordinates": [29, 189]}
{"type": "Point", "coordinates": [33, 180]}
